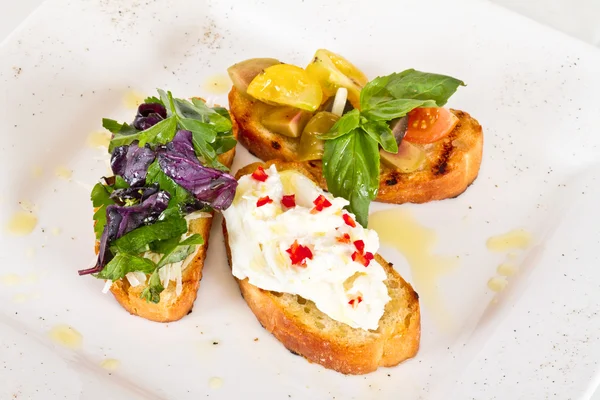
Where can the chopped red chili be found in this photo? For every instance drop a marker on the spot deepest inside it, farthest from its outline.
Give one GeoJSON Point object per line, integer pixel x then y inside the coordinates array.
{"type": "Point", "coordinates": [263, 200]}
{"type": "Point", "coordinates": [344, 239]}
{"type": "Point", "coordinates": [356, 301]}
{"type": "Point", "coordinates": [260, 174]}
{"type": "Point", "coordinates": [320, 203]}
{"type": "Point", "coordinates": [363, 259]}
{"type": "Point", "coordinates": [299, 253]}
{"type": "Point", "coordinates": [360, 246]}
{"type": "Point", "coordinates": [289, 200]}
{"type": "Point", "coordinates": [349, 221]}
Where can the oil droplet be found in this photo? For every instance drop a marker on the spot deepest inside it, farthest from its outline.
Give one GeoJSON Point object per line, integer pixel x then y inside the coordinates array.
{"type": "Point", "coordinates": [20, 298]}
{"type": "Point", "coordinates": [497, 283]}
{"type": "Point", "coordinates": [36, 171]}
{"type": "Point", "coordinates": [27, 205]}
{"type": "Point", "coordinates": [66, 336]}
{"type": "Point", "coordinates": [30, 252]}
{"type": "Point", "coordinates": [98, 139]}
{"type": "Point", "coordinates": [63, 172]}
{"type": "Point", "coordinates": [506, 269]}
{"type": "Point", "coordinates": [215, 382]}
{"type": "Point", "coordinates": [21, 223]}
{"type": "Point", "coordinates": [55, 231]}
{"type": "Point", "coordinates": [217, 84]}
{"type": "Point", "coordinates": [515, 239]}
{"type": "Point", "coordinates": [399, 229]}
{"type": "Point", "coordinates": [110, 364]}
{"type": "Point", "coordinates": [133, 99]}
{"type": "Point", "coordinates": [10, 279]}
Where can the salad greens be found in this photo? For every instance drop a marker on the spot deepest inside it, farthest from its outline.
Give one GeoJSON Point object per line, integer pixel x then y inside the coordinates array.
{"type": "Point", "coordinates": [165, 166]}
{"type": "Point", "coordinates": [351, 154]}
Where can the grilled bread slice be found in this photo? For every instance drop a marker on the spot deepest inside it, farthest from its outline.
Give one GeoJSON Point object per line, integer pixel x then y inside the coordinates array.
{"type": "Point", "coordinates": [172, 307]}
{"type": "Point", "coordinates": [306, 331]}
{"type": "Point", "coordinates": [452, 163]}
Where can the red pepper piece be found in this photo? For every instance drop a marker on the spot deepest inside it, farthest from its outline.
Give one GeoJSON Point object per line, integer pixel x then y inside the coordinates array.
{"type": "Point", "coordinates": [289, 200]}
{"type": "Point", "coordinates": [320, 203]}
{"type": "Point", "coordinates": [260, 174]}
{"type": "Point", "coordinates": [344, 239]}
{"type": "Point", "coordinates": [349, 221]}
{"type": "Point", "coordinates": [361, 258]}
{"type": "Point", "coordinates": [299, 253]}
{"type": "Point", "coordinates": [356, 301]}
{"type": "Point", "coordinates": [263, 200]}
{"type": "Point", "coordinates": [360, 246]}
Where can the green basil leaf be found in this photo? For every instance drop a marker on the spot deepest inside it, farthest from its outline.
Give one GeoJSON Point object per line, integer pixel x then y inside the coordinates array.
{"type": "Point", "coordinates": [138, 240]}
{"type": "Point", "coordinates": [343, 126]}
{"type": "Point", "coordinates": [381, 132]}
{"type": "Point", "coordinates": [351, 168]}
{"type": "Point", "coordinates": [397, 108]}
{"type": "Point", "coordinates": [122, 264]}
{"type": "Point", "coordinates": [152, 292]}
{"type": "Point", "coordinates": [178, 193]}
{"type": "Point", "coordinates": [412, 84]}
{"type": "Point", "coordinates": [160, 133]}
{"type": "Point", "coordinates": [376, 92]}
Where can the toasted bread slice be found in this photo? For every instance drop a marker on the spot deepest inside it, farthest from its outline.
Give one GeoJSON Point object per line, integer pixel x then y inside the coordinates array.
{"type": "Point", "coordinates": [172, 307]}
{"type": "Point", "coordinates": [306, 331]}
{"type": "Point", "coordinates": [452, 163]}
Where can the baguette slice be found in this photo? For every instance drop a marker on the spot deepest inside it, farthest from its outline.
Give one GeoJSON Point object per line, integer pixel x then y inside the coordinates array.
{"type": "Point", "coordinates": [306, 331]}
{"type": "Point", "coordinates": [172, 307]}
{"type": "Point", "coordinates": [453, 162]}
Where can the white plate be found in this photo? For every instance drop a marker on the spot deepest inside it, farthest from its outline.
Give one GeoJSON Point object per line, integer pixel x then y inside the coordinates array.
{"type": "Point", "coordinates": [535, 92]}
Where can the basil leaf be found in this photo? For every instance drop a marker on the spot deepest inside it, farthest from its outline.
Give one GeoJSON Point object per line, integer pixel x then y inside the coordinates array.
{"type": "Point", "coordinates": [351, 168]}
{"type": "Point", "coordinates": [412, 84]}
{"type": "Point", "coordinates": [181, 250]}
{"type": "Point", "coordinates": [376, 92]}
{"type": "Point", "coordinates": [122, 264]}
{"type": "Point", "coordinates": [177, 192]}
{"type": "Point", "coordinates": [395, 109]}
{"type": "Point", "coordinates": [138, 240]}
{"type": "Point", "coordinates": [159, 133]}
{"type": "Point", "coordinates": [381, 132]}
{"type": "Point", "coordinates": [152, 292]}
{"type": "Point", "coordinates": [343, 126]}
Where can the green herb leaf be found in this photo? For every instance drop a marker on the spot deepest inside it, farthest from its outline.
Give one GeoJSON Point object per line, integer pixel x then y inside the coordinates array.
{"type": "Point", "coordinates": [138, 240]}
{"type": "Point", "coordinates": [343, 126]}
{"type": "Point", "coordinates": [122, 264]}
{"type": "Point", "coordinates": [224, 142]}
{"type": "Point", "coordinates": [123, 134]}
{"type": "Point", "coordinates": [160, 133]}
{"type": "Point", "coordinates": [381, 132]}
{"type": "Point", "coordinates": [412, 84]}
{"type": "Point", "coordinates": [351, 168]}
{"type": "Point", "coordinates": [207, 131]}
{"type": "Point", "coordinates": [152, 292]}
{"type": "Point", "coordinates": [181, 250]}
{"type": "Point", "coordinates": [168, 102]}
{"type": "Point", "coordinates": [206, 153]}
{"type": "Point", "coordinates": [397, 108]}
{"type": "Point", "coordinates": [100, 199]}
{"type": "Point", "coordinates": [153, 99]}
{"type": "Point", "coordinates": [178, 193]}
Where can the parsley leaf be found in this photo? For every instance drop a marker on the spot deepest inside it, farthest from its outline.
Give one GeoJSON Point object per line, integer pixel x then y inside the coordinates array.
{"type": "Point", "coordinates": [122, 264]}
{"type": "Point", "coordinates": [100, 199]}
{"type": "Point", "coordinates": [160, 133]}
{"type": "Point", "coordinates": [152, 292]}
{"type": "Point", "coordinates": [178, 194]}
{"type": "Point", "coordinates": [180, 251]}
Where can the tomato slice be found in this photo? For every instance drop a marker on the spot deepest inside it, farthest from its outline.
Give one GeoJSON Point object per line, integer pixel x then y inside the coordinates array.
{"type": "Point", "coordinates": [428, 125]}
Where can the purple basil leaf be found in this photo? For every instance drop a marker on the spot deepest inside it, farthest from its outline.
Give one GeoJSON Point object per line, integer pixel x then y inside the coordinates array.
{"type": "Point", "coordinates": [138, 194]}
{"type": "Point", "coordinates": [132, 162]}
{"type": "Point", "coordinates": [148, 115]}
{"type": "Point", "coordinates": [178, 160]}
{"type": "Point", "coordinates": [121, 220]}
